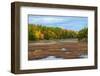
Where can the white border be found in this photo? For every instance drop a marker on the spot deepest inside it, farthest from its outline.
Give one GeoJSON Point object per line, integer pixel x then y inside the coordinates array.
{"type": "Point", "coordinates": [25, 64]}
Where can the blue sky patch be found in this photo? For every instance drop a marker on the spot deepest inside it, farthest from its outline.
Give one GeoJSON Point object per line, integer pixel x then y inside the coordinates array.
{"type": "Point", "coordinates": [66, 22]}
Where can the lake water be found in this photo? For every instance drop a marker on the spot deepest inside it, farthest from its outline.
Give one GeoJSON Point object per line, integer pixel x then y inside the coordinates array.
{"type": "Point", "coordinates": [51, 58]}
{"type": "Point", "coordinates": [55, 58]}
{"type": "Point", "coordinates": [62, 49]}
{"type": "Point", "coordinates": [83, 56]}
{"type": "Point", "coordinates": [65, 46]}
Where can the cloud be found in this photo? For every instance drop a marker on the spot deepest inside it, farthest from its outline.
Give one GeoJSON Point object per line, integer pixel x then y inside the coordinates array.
{"type": "Point", "coordinates": [67, 22]}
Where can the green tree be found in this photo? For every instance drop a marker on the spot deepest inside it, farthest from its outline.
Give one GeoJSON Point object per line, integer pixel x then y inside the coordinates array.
{"type": "Point", "coordinates": [83, 34]}
{"type": "Point", "coordinates": [40, 32]}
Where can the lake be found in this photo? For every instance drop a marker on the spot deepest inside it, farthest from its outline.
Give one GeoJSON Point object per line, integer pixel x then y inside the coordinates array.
{"type": "Point", "coordinates": [57, 49]}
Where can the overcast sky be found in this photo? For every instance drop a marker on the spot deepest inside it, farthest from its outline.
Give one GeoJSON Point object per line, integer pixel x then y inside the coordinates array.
{"type": "Point", "coordinates": [66, 22]}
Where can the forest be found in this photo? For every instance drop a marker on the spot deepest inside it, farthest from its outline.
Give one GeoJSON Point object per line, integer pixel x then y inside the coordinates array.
{"type": "Point", "coordinates": [41, 32]}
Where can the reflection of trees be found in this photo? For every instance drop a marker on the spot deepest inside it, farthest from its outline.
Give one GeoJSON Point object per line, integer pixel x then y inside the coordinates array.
{"type": "Point", "coordinates": [39, 32]}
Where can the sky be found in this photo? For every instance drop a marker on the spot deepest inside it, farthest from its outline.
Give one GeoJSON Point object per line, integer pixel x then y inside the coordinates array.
{"type": "Point", "coordinates": [66, 22]}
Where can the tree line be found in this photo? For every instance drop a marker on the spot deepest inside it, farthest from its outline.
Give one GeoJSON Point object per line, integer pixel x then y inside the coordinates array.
{"type": "Point", "coordinates": [40, 32]}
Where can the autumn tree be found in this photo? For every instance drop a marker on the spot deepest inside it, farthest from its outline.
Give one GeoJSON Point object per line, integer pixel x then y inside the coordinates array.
{"type": "Point", "coordinates": [83, 34]}
{"type": "Point", "coordinates": [41, 32]}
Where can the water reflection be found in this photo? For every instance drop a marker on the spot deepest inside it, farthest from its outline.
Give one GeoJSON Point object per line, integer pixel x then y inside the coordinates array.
{"type": "Point", "coordinates": [83, 56]}
{"type": "Point", "coordinates": [51, 58]}
{"type": "Point", "coordinates": [56, 58]}
{"type": "Point", "coordinates": [64, 49]}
